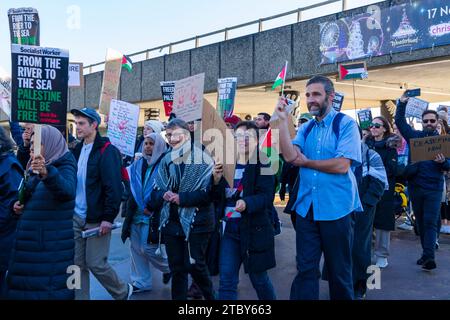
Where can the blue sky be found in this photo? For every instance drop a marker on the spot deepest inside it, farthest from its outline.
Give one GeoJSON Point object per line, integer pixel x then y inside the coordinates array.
{"type": "Point", "coordinates": [135, 25]}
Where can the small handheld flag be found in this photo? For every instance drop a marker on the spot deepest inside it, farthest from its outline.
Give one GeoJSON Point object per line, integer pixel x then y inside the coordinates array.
{"type": "Point", "coordinates": [281, 78]}
{"type": "Point", "coordinates": [127, 63]}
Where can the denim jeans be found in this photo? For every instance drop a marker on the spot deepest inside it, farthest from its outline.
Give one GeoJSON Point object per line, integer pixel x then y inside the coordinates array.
{"type": "Point", "coordinates": [426, 205]}
{"type": "Point", "coordinates": [229, 265]}
{"type": "Point", "coordinates": [333, 238]}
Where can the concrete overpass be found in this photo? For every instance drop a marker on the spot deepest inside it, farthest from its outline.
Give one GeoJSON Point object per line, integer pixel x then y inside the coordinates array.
{"type": "Point", "coordinates": [256, 59]}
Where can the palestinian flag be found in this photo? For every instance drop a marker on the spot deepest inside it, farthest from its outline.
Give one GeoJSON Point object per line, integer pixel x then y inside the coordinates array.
{"type": "Point", "coordinates": [353, 71]}
{"type": "Point", "coordinates": [267, 147]}
{"type": "Point", "coordinates": [281, 78]}
{"type": "Point", "coordinates": [127, 63]}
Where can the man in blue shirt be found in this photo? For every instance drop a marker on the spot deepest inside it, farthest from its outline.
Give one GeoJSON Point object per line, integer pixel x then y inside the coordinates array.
{"type": "Point", "coordinates": [328, 193]}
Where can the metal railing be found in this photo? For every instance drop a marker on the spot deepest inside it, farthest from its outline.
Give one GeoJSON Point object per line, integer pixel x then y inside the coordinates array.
{"type": "Point", "coordinates": [225, 32]}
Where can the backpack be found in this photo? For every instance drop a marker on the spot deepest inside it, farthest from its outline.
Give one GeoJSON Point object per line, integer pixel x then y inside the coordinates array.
{"type": "Point", "coordinates": [336, 130]}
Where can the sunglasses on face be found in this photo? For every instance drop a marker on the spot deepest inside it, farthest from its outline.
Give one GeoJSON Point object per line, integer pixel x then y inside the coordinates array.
{"type": "Point", "coordinates": [375, 125]}
{"type": "Point", "coordinates": [429, 120]}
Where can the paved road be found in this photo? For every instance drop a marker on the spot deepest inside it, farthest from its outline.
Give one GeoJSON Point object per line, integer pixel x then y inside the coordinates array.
{"type": "Point", "coordinates": [402, 279]}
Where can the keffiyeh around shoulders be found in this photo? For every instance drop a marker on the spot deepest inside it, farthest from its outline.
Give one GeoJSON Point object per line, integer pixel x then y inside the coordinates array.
{"type": "Point", "coordinates": [198, 166]}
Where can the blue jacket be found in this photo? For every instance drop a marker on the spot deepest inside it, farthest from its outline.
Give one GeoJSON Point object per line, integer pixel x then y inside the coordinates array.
{"type": "Point", "coordinates": [427, 174]}
{"type": "Point", "coordinates": [44, 246]}
{"type": "Point", "coordinates": [10, 176]}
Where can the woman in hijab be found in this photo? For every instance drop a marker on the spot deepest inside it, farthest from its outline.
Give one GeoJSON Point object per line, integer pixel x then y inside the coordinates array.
{"type": "Point", "coordinates": [150, 126]}
{"type": "Point", "coordinates": [140, 225]}
{"type": "Point", "coordinates": [44, 246]}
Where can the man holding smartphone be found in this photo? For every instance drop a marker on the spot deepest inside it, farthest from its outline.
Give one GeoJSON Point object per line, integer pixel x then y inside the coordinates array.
{"type": "Point", "coordinates": [425, 181]}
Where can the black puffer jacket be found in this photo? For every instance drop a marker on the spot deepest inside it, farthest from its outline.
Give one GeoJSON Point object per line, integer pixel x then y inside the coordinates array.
{"type": "Point", "coordinates": [10, 176]}
{"type": "Point", "coordinates": [385, 216]}
{"type": "Point", "coordinates": [44, 247]}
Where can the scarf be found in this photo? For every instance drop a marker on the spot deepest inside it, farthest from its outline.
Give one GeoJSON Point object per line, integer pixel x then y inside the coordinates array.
{"type": "Point", "coordinates": [155, 125]}
{"type": "Point", "coordinates": [375, 167]}
{"type": "Point", "coordinates": [142, 191]}
{"type": "Point", "coordinates": [198, 166]}
{"type": "Point", "coordinates": [55, 145]}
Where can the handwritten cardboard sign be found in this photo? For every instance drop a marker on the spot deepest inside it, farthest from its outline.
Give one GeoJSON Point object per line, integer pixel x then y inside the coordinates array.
{"type": "Point", "coordinates": [123, 125]}
{"type": "Point", "coordinates": [223, 146]}
{"type": "Point", "coordinates": [111, 80]}
{"type": "Point", "coordinates": [428, 148]}
{"type": "Point", "coordinates": [188, 98]}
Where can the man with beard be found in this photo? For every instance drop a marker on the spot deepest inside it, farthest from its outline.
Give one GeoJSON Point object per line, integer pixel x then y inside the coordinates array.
{"type": "Point", "coordinates": [426, 182]}
{"type": "Point", "coordinates": [326, 150]}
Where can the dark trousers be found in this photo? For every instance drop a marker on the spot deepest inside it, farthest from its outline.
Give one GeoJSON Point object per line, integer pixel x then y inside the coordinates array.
{"type": "Point", "coordinates": [179, 264]}
{"type": "Point", "coordinates": [426, 205]}
{"type": "Point", "coordinates": [2, 285]}
{"type": "Point", "coordinates": [362, 246]}
{"type": "Point", "coordinates": [335, 240]}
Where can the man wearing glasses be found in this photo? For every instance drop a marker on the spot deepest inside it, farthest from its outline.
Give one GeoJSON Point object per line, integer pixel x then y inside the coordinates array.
{"type": "Point", "coordinates": [426, 182]}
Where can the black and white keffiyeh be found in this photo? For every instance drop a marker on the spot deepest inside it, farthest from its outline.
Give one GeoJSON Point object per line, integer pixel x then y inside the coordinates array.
{"type": "Point", "coordinates": [198, 167]}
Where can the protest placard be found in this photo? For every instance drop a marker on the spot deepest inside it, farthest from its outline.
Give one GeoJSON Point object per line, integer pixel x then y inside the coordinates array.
{"type": "Point", "coordinates": [76, 74]}
{"type": "Point", "coordinates": [188, 98]}
{"type": "Point", "coordinates": [111, 80]}
{"type": "Point", "coordinates": [24, 26]}
{"type": "Point", "coordinates": [5, 97]}
{"type": "Point", "coordinates": [338, 101]}
{"type": "Point", "coordinates": [365, 118]}
{"type": "Point", "coordinates": [226, 90]}
{"type": "Point", "coordinates": [39, 85]}
{"type": "Point", "coordinates": [223, 145]}
{"type": "Point", "coordinates": [167, 90]}
{"type": "Point", "coordinates": [429, 147]}
{"type": "Point", "coordinates": [415, 108]}
{"type": "Point", "coordinates": [122, 126]}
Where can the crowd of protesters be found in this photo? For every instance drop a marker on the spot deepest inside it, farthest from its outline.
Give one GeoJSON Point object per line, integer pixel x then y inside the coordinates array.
{"type": "Point", "coordinates": [183, 218]}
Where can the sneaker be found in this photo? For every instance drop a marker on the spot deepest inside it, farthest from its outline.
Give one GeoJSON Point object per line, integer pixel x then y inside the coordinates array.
{"type": "Point", "coordinates": [139, 290]}
{"type": "Point", "coordinates": [167, 277]}
{"type": "Point", "coordinates": [420, 261]}
{"type": "Point", "coordinates": [437, 245]}
{"type": "Point", "coordinates": [130, 291]}
{"type": "Point", "coordinates": [382, 263]}
{"type": "Point", "coordinates": [429, 265]}
{"type": "Point", "coordinates": [406, 226]}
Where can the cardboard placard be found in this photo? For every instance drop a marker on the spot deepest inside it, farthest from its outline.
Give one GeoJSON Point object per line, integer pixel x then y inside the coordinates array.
{"type": "Point", "coordinates": [226, 94]}
{"type": "Point", "coordinates": [122, 126]}
{"type": "Point", "coordinates": [225, 146]}
{"type": "Point", "coordinates": [365, 118]}
{"type": "Point", "coordinates": [111, 80]}
{"type": "Point", "coordinates": [167, 90]}
{"type": "Point", "coordinates": [428, 148]}
{"type": "Point", "coordinates": [24, 26]}
{"type": "Point", "coordinates": [39, 85]}
{"type": "Point", "coordinates": [415, 108]}
{"type": "Point", "coordinates": [76, 78]}
{"type": "Point", "coordinates": [188, 98]}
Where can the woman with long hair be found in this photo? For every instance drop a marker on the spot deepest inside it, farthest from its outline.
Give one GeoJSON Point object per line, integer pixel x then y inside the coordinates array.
{"type": "Point", "coordinates": [384, 222]}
